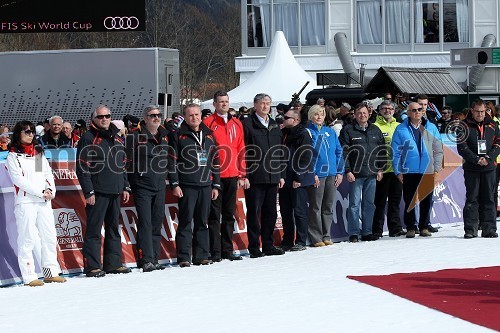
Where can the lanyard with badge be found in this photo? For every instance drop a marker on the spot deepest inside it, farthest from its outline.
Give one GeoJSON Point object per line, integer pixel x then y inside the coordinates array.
{"type": "Point", "coordinates": [481, 143]}
{"type": "Point", "coordinates": [202, 155]}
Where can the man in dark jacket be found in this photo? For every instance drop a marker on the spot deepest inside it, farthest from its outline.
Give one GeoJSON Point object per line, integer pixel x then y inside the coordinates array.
{"type": "Point", "coordinates": [299, 175]}
{"type": "Point", "coordinates": [195, 180]}
{"type": "Point", "coordinates": [479, 150]}
{"type": "Point", "coordinates": [54, 138]}
{"type": "Point", "coordinates": [364, 148]}
{"type": "Point", "coordinates": [100, 169]}
{"type": "Point", "coordinates": [147, 151]}
{"type": "Point", "coordinates": [266, 166]}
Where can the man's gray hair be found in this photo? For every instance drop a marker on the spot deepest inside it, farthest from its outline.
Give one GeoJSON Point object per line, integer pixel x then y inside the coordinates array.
{"type": "Point", "coordinates": [387, 102]}
{"type": "Point", "coordinates": [260, 97]}
{"type": "Point", "coordinates": [100, 106]}
{"type": "Point", "coordinates": [51, 119]}
{"type": "Point", "coordinates": [148, 109]}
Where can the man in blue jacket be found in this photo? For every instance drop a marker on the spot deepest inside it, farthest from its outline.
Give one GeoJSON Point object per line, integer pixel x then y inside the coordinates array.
{"type": "Point", "coordinates": [417, 158]}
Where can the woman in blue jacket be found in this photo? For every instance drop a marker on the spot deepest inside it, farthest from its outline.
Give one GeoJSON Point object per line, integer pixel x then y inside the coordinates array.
{"type": "Point", "coordinates": [328, 170]}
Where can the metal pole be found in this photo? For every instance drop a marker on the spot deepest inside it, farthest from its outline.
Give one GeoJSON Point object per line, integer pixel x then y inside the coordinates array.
{"type": "Point", "coordinates": [467, 70]}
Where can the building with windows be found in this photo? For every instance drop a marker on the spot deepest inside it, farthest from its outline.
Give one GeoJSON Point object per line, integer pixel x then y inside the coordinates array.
{"type": "Point", "coordinates": [394, 33]}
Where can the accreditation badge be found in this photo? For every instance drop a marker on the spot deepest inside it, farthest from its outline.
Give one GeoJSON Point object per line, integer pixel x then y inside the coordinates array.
{"type": "Point", "coordinates": [202, 158]}
{"type": "Point", "coordinates": [481, 147]}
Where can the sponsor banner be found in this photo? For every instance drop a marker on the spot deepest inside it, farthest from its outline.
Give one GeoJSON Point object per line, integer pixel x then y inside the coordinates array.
{"type": "Point", "coordinates": [32, 16]}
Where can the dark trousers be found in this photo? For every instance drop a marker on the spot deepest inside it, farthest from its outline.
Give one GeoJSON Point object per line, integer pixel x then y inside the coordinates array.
{"type": "Point", "coordinates": [194, 208]}
{"type": "Point", "coordinates": [150, 206]}
{"type": "Point", "coordinates": [261, 215]}
{"type": "Point", "coordinates": [495, 190]}
{"type": "Point", "coordinates": [389, 190]}
{"type": "Point", "coordinates": [221, 231]}
{"type": "Point", "coordinates": [479, 202]}
{"type": "Point", "coordinates": [293, 209]}
{"type": "Point", "coordinates": [106, 209]}
{"type": "Point", "coordinates": [411, 182]}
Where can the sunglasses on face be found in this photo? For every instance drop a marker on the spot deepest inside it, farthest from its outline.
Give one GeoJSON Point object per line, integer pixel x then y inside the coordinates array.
{"type": "Point", "coordinates": [102, 116]}
{"type": "Point", "coordinates": [29, 132]}
{"type": "Point", "coordinates": [154, 115]}
{"type": "Point", "coordinates": [416, 110]}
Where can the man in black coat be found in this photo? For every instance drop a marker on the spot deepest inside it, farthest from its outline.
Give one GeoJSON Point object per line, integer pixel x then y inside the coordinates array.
{"type": "Point", "coordinates": [364, 149]}
{"type": "Point", "coordinates": [299, 176]}
{"type": "Point", "coordinates": [101, 172]}
{"type": "Point", "coordinates": [147, 166]}
{"type": "Point", "coordinates": [54, 138]}
{"type": "Point", "coordinates": [195, 180]}
{"type": "Point", "coordinates": [480, 148]}
{"type": "Point", "coordinates": [266, 167]}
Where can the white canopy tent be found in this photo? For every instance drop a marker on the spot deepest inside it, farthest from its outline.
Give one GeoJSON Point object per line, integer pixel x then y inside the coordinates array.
{"type": "Point", "coordinates": [279, 76]}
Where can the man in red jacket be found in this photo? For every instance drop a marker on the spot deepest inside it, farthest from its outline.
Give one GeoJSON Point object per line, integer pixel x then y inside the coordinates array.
{"type": "Point", "coordinates": [228, 133]}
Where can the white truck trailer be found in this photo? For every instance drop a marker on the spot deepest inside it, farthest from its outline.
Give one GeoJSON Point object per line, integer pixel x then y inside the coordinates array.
{"type": "Point", "coordinates": [35, 85]}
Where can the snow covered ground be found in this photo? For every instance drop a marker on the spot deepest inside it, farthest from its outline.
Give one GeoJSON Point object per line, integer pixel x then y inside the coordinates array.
{"type": "Point", "coordinates": [299, 292]}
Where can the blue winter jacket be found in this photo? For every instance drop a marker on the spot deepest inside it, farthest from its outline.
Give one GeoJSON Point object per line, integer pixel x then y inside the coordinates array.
{"type": "Point", "coordinates": [407, 159]}
{"type": "Point", "coordinates": [327, 151]}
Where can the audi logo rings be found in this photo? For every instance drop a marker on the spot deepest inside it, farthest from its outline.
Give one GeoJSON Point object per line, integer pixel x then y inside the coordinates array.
{"type": "Point", "coordinates": [121, 23]}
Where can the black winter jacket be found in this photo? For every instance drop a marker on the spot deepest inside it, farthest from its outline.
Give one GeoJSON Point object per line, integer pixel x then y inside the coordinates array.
{"type": "Point", "coordinates": [183, 158]}
{"type": "Point", "coordinates": [265, 157]}
{"type": "Point", "coordinates": [300, 152]}
{"type": "Point", "coordinates": [467, 148]}
{"type": "Point", "coordinates": [147, 158]}
{"type": "Point", "coordinates": [364, 151]}
{"type": "Point", "coordinates": [100, 164]}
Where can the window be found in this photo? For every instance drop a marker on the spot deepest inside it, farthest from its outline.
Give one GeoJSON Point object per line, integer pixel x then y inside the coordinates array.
{"type": "Point", "coordinates": [396, 22]}
{"type": "Point", "coordinates": [302, 22]}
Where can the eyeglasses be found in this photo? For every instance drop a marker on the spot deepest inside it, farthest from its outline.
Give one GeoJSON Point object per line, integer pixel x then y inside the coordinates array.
{"type": "Point", "coordinates": [29, 132]}
{"type": "Point", "coordinates": [102, 116]}
{"type": "Point", "coordinates": [287, 117]}
{"type": "Point", "coordinates": [416, 110]}
{"type": "Point", "coordinates": [154, 115]}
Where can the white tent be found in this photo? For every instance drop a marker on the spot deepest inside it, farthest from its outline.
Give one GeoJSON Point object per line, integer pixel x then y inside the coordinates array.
{"type": "Point", "coordinates": [279, 76]}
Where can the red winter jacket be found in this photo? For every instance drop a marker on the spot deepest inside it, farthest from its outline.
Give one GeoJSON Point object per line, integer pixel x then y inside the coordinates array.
{"type": "Point", "coordinates": [231, 144]}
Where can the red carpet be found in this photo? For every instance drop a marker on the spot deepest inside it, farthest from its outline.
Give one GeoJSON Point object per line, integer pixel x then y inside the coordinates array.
{"type": "Point", "coordinates": [470, 294]}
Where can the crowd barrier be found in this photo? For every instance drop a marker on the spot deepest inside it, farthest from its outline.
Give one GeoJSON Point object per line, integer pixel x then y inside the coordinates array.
{"type": "Point", "coordinates": [69, 216]}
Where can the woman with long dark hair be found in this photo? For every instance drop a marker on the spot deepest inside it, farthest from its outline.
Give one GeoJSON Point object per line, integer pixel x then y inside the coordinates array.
{"type": "Point", "coordinates": [32, 177]}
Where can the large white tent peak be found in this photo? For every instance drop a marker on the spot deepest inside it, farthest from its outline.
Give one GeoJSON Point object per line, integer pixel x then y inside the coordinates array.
{"type": "Point", "coordinates": [279, 76]}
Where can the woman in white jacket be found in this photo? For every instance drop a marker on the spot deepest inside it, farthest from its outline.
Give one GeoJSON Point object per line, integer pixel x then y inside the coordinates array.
{"type": "Point", "coordinates": [34, 189]}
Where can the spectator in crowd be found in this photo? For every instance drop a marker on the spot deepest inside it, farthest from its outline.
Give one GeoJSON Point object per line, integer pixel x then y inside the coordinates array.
{"type": "Point", "coordinates": [281, 109]}
{"type": "Point", "coordinates": [32, 176]}
{"type": "Point", "coordinates": [122, 134]}
{"type": "Point", "coordinates": [194, 179]}
{"type": "Point", "coordinates": [131, 123]}
{"type": "Point", "coordinates": [389, 188]}
{"type": "Point", "coordinates": [388, 96]}
{"type": "Point", "coordinates": [479, 151]}
{"type": "Point", "coordinates": [54, 138]}
{"type": "Point", "coordinates": [330, 115]}
{"type": "Point", "coordinates": [445, 120]}
{"type": "Point", "coordinates": [4, 137]}
{"type": "Point", "coordinates": [266, 172]}
{"type": "Point", "coordinates": [80, 127]}
{"type": "Point", "coordinates": [345, 113]}
{"type": "Point", "coordinates": [431, 112]}
{"type": "Point", "coordinates": [232, 112]}
{"type": "Point", "coordinates": [362, 142]}
{"type": "Point", "coordinates": [101, 172]}
{"type": "Point", "coordinates": [177, 118]}
{"type": "Point", "coordinates": [417, 159]}
{"type": "Point", "coordinates": [328, 173]}
{"type": "Point", "coordinates": [243, 113]}
{"type": "Point", "coordinates": [169, 124]}
{"type": "Point", "coordinates": [67, 130]}
{"type": "Point", "coordinates": [147, 151]}
{"type": "Point", "coordinates": [320, 101]}
{"type": "Point", "coordinates": [299, 176]}
{"type": "Point", "coordinates": [228, 133]}
{"type": "Point", "coordinates": [205, 113]}
{"type": "Point", "coordinates": [46, 125]}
